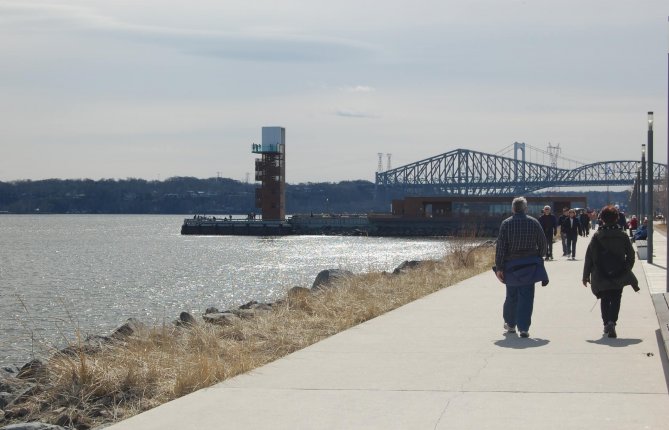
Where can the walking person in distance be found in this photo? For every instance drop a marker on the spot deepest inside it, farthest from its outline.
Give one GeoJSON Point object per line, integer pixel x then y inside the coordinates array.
{"type": "Point", "coordinates": [571, 227]}
{"type": "Point", "coordinates": [549, 223]}
{"type": "Point", "coordinates": [563, 237]}
{"type": "Point", "coordinates": [608, 267]}
{"type": "Point", "coordinates": [521, 244]}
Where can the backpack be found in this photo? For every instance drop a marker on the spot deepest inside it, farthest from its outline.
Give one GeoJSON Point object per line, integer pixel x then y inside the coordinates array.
{"type": "Point", "coordinates": [609, 265]}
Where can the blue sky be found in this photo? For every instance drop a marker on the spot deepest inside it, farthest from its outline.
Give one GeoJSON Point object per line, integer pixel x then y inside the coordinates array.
{"type": "Point", "coordinates": [153, 89]}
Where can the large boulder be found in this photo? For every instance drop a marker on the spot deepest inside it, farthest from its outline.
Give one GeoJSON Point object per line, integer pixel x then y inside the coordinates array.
{"type": "Point", "coordinates": [249, 305]}
{"type": "Point", "coordinates": [90, 345]}
{"type": "Point", "coordinates": [243, 313]}
{"type": "Point", "coordinates": [31, 370]}
{"type": "Point", "coordinates": [407, 265]}
{"type": "Point", "coordinates": [220, 318]}
{"type": "Point", "coordinates": [13, 388]}
{"type": "Point", "coordinates": [185, 320]}
{"type": "Point", "coordinates": [130, 327]}
{"type": "Point", "coordinates": [326, 278]}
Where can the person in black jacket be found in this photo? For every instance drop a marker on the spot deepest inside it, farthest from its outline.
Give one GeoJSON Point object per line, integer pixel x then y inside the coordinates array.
{"type": "Point", "coordinates": [607, 278]}
{"type": "Point", "coordinates": [549, 223]}
{"type": "Point", "coordinates": [571, 227]}
{"type": "Point", "coordinates": [585, 222]}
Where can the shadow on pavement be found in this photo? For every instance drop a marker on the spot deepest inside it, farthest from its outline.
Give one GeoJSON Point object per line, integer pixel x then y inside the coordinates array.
{"type": "Point", "coordinates": [515, 342]}
{"type": "Point", "coordinates": [615, 342]}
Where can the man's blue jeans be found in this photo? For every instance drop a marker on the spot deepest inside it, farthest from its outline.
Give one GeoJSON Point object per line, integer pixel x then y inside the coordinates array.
{"type": "Point", "coordinates": [518, 306]}
{"type": "Point", "coordinates": [563, 238]}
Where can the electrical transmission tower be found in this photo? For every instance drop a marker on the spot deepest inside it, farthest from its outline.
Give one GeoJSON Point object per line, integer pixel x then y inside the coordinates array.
{"type": "Point", "coordinates": [554, 154]}
{"type": "Point", "coordinates": [388, 156]}
{"type": "Point", "coordinates": [380, 167]}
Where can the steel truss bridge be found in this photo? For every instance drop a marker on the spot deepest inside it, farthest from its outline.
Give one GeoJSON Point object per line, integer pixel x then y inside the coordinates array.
{"type": "Point", "coordinates": [466, 172]}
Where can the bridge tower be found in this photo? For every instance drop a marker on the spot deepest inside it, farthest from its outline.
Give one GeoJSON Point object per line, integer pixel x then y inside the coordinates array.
{"type": "Point", "coordinates": [271, 172]}
{"type": "Point", "coordinates": [519, 178]}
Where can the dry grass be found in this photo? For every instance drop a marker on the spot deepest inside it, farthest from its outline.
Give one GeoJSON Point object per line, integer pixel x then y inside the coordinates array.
{"type": "Point", "coordinates": [163, 363]}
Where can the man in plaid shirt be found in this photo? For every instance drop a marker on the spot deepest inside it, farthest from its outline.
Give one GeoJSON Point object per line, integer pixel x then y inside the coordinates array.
{"type": "Point", "coordinates": [520, 236]}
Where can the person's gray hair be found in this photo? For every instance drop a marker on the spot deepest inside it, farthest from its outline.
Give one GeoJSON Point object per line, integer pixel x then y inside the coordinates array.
{"type": "Point", "coordinates": [519, 205]}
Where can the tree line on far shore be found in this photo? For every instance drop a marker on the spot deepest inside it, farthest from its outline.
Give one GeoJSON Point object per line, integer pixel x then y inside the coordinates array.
{"type": "Point", "coordinates": [188, 195]}
{"type": "Point", "coordinates": [178, 195]}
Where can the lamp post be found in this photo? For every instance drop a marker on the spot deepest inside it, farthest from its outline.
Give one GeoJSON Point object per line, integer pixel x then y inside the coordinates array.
{"type": "Point", "coordinates": [643, 184]}
{"type": "Point", "coordinates": [637, 194]}
{"type": "Point", "coordinates": [651, 211]}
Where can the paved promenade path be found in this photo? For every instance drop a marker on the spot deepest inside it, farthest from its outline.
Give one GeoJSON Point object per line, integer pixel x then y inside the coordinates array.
{"type": "Point", "coordinates": [444, 362]}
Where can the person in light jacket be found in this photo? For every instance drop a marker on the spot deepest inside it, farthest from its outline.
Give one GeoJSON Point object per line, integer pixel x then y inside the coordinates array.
{"type": "Point", "coordinates": [612, 240]}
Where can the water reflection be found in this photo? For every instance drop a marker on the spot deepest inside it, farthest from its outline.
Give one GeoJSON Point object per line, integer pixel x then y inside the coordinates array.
{"type": "Point", "coordinates": [60, 273]}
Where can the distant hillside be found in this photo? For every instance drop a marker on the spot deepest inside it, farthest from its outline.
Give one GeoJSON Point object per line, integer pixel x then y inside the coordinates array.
{"type": "Point", "coordinates": [186, 195]}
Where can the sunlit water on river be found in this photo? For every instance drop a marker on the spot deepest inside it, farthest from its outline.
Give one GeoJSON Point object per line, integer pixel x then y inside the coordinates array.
{"type": "Point", "coordinates": [60, 273]}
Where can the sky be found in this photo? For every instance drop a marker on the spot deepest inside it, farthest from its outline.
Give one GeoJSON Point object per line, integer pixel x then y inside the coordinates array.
{"type": "Point", "coordinates": [160, 88]}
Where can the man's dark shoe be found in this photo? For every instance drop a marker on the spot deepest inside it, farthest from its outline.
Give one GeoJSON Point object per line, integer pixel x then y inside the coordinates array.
{"type": "Point", "coordinates": [610, 329]}
{"type": "Point", "coordinates": [524, 334]}
{"type": "Point", "coordinates": [509, 328]}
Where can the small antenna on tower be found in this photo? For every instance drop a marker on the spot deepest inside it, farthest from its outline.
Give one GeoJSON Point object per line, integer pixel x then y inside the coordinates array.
{"type": "Point", "coordinates": [380, 167]}
{"type": "Point", "coordinates": [388, 156]}
{"type": "Point", "coordinates": [247, 177]}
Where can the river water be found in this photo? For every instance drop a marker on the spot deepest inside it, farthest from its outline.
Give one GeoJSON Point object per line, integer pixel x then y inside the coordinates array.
{"type": "Point", "coordinates": [60, 274]}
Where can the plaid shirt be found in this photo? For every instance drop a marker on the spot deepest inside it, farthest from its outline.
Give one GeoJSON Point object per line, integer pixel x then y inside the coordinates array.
{"type": "Point", "coordinates": [519, 236]}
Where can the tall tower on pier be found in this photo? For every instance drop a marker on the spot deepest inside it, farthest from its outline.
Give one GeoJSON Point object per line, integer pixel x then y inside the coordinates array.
{"type": "Point", "coordinates": [271, 172]}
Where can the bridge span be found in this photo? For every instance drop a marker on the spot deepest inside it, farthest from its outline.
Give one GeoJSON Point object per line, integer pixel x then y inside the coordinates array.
{"type": "Point", "coordinates": [467, 172]}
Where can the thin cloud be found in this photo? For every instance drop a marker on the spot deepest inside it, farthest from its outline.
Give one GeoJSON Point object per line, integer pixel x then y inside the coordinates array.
{"type": "Point", "coordinates": [348, 113]}
{"type": "Point", "coordinates": [256, 45]}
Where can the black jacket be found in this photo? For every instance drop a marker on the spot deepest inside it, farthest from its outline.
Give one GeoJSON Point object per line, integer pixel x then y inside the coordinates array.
{"type": "Point", "coordinates": [571, 230]}
{"type": "Point", "coordinates": [615, 241]}
{"type": "Point", "coordinates": [549, 223]}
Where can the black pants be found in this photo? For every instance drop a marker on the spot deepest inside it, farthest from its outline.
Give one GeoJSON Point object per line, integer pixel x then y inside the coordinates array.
{"type": "Point", "coordinates": [571, 245]}
{"type": "Point", "coordinates": [610, 304]}
{"type": "Point", "coordinates": [549, 240]}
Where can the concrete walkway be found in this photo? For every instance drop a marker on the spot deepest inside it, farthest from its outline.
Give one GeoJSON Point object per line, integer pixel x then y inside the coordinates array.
{"type": "Point", "coordinates": [444, 362]}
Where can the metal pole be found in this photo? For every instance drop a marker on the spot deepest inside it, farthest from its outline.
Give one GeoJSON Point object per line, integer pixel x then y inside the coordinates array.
{"type": "Point", "coordinates": [638, 196]}
{"type": "Point", "coordinates": [651, 211]}
{"type": "Point", "coordinates": [643, 183]}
